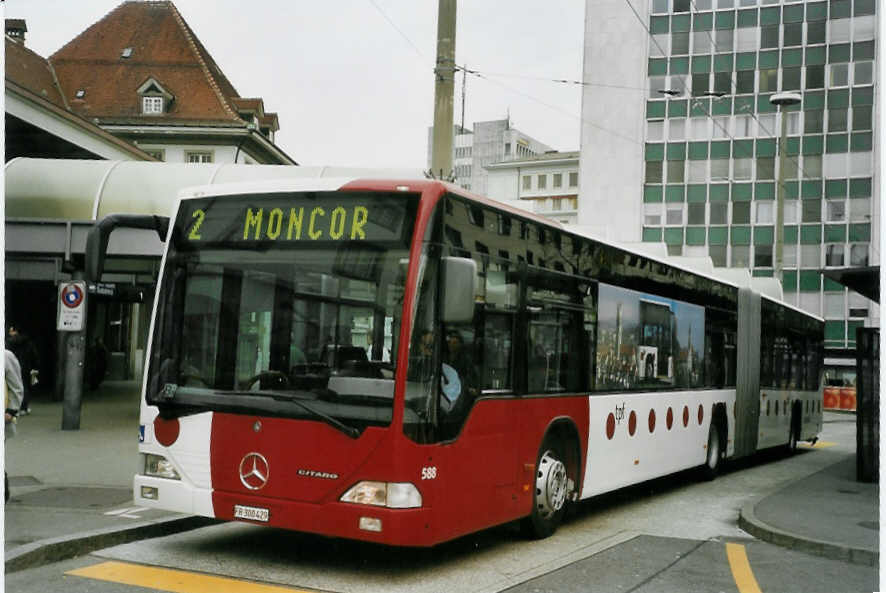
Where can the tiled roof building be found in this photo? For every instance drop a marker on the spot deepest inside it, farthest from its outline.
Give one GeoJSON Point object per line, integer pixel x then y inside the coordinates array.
{"type": "Point", "coordinates": [142, 74]}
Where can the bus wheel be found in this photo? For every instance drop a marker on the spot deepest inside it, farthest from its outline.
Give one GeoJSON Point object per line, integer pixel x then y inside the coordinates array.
{"type": "Point", "coordinates": [551, 491]}
{"type": "Point", "coordinates": [711, 467]}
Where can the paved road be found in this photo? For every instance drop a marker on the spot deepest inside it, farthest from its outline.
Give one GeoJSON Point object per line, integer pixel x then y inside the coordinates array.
{"type": "Point", "coordinates": [674, 534]}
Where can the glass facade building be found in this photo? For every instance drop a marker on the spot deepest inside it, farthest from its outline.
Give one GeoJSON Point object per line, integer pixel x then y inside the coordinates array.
{"type": "Point", "coordinates": [711, 162]}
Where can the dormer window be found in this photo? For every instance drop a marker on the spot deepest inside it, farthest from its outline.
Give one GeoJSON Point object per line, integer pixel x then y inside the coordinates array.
{"type": "Point", "coordinates": [155, 100]}
{"type": "Point", "coordinates": [152, 105]}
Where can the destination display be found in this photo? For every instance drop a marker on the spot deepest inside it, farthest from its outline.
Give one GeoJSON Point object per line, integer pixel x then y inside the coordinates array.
{"type": "Point", "coordinates": [329, 217]}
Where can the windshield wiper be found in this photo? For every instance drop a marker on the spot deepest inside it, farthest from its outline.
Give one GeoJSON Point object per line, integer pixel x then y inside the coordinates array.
{"type": "Point", "coordinates": [289, 398]}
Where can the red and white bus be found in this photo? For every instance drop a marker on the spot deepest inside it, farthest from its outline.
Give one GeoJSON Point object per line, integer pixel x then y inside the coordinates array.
{"type": "Point", "coordinates": [403, 362]}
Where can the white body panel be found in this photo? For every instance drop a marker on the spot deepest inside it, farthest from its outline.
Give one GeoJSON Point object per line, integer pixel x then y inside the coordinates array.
{"type": "Point", "coordinates": [625, 459]}
{"type": "Point", "coordinates": [190, 456]}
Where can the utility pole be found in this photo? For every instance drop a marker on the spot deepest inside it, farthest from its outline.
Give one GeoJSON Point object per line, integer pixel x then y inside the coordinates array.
{"type": "Point", "coordinates": [444, 88]}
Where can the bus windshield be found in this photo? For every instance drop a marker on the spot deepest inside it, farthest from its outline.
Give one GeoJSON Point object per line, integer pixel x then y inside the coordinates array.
{"type": "Point", "coordinates": [285, 304]}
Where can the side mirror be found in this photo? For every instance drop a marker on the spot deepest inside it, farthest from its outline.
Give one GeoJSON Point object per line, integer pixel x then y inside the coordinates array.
{"type": "Point", "coordinates": [100, 233]}
{"type": "Point", "coordinates": [459, 285]}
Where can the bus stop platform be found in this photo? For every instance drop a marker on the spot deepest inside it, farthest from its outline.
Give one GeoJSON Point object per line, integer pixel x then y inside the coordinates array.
{"type": "Point", "coordinates": [72, 492]}
{"type": "Point", "coordinates": [828, 514]}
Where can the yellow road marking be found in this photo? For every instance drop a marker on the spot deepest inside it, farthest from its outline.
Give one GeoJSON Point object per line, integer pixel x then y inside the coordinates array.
{"type": "Point", "coordinates": [741, 569]}
{"type": "Point", "coordinates": [818, 445]}
{"type": "Point", "coordinates": [175, 581]}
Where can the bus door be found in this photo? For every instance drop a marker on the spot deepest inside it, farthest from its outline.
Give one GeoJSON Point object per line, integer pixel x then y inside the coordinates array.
{"type": "Point", "coordinates": [460, 395]}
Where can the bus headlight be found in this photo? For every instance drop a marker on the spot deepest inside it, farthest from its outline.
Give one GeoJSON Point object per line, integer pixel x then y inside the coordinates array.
{"type": "Point", "coordinates": [159, 467]}
{"type": "Point", "coordinates": [393, 495]}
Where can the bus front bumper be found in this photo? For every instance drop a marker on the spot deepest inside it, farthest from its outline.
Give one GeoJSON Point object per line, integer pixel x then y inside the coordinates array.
{"type": "Point", "coordinates": [400, 527]}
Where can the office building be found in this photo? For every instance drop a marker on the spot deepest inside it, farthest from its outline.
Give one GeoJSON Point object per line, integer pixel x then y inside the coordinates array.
{"type": "Point", "coordinates": [681, 139]}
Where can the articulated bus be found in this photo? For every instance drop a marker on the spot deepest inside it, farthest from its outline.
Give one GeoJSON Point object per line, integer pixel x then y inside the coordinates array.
{"type": "Point", "coordinates": [403, 362]}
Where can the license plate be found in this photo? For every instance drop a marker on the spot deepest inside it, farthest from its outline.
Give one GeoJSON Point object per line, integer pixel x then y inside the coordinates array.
{"type": "Point", "coordinates": [251, 513]}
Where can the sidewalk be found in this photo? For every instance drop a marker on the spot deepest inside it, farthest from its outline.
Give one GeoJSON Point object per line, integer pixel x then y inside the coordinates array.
{"type": "Point", "coordinates": [72, 490]}
{"type": "Point", "coordinates": [827, 514]}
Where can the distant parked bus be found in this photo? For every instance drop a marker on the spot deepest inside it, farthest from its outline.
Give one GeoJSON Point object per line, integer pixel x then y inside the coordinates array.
{"type": "Point", "coordinates": [404, 362]}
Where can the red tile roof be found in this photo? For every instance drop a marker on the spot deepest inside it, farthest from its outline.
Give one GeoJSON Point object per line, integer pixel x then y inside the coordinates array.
{"type": "Point", "coordinates": [32, 72]}
{"type": "Point", "coordinates": [163, 47]}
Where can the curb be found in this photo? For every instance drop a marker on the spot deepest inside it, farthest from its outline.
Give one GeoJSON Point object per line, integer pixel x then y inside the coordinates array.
{"type": "Point", "coordinates": [47, 551]}
{"type": "Point", "coordinates": [748, 520]}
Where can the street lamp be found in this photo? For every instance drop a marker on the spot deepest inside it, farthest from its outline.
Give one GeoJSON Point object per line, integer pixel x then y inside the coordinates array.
{"type": "Point", "coordinates": [781, 100]}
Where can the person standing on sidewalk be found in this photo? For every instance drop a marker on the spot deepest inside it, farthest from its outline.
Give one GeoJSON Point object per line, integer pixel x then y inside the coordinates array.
{"type": "Point", "coordinates": [26, 353]}
{"type": "Point", "coordinates": [14, 393]}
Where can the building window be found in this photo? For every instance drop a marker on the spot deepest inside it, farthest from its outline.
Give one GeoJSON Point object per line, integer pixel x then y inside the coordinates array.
{"type": "Point", "coordinates": [556, 204]}
{"type": "Point", "coordinates": [858, 255]}
{"type": "Point", "coordinates": [814, 77]}
{"type": "Point", "coordinates": [741, 168]}
{"type": "Point", "coordinates": [833, 254]}
{"type": "Point", "coordinates": [573, 179]}
{"type": "Point", "coordinates": [839, 75]}
{"type": "Point", "coordinates": [811, 210]}
{"type": "Point", "coordinates": [198, 156]}
{"type": "Point", "coordinates": [764, 212]}
{"type": "Point", "coordinates": [542, 181]}
{"type": "Point", "coordinates": [655, 130]}
{"type": "Point", "coordinates": [744, 81]}
{"type": "Point", "coordinates": [789, 256]}
{"type": "Point", "coordinates": [507, 148]}
{"type": "Point", "coordinates": [652, 214]}
{"type": "Point", "coordinates": [765, 168]}
{"type": "Point", "coordinates": [527, 182]}
{"type": "Point", "coordinates": [864, 73]}
{"type": "Point", "coordinates": [696, 213]}
{"type": "Point", "coordinates": [816, 32]}
{"type": "Point", "coordinates": [741, 256]}
{"type": "Point", "coordinates": [558, 180]}
{"type": "Point", "coordinates": [813, 121]}
{"type": "Point", "coordinates": [791, 211]}
{"type": "Point", "coordinates": [676, 170]}
{"type": "Point", "coordinates": [861, 117]}
{"type": "Point", "coordinates": [152, 105]}
{"type": "Point", "coordinates": [769, 80]}
{"type": "Point", "coordinates": [719, 169]}
{"type": "Point", "coordinates": [653, 172]}
{"type": "Point", "coordinates": [860, 210]}
{"type": "Point", "coordinates": [718, 255]}
{"type": "Point", "coordinates": [810, 256]}
{"type": "Point", "coordinates": [741, 213]}
{"type": "Point", "coordinates": [674, 214]}
{"type": "Point", "coordinates": [763, 256]}
{"type": "Point", "coordinates": [836, 210]}
{"type": "Point", "coordinates": [718, 216]}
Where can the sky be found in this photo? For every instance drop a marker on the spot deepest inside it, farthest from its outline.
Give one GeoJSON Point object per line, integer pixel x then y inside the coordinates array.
{"type": "Point", "coordinates": [352, 80]}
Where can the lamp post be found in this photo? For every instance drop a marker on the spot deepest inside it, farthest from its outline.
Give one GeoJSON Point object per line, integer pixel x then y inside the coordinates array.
{"type": "Point", "coordinates": [781, 100]}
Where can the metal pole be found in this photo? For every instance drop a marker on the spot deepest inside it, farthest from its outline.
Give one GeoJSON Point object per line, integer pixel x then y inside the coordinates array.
{"type": "Point", "coordinates": [75, 357]}
{"type": "Point", "coordinates": [782, 100]}
{"type": "Point", "coordinates": [778, 264]}
{"type": "Point", "coordinates": [444, 74]}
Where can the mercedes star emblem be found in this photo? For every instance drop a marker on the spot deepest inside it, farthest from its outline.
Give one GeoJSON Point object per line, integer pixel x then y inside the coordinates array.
{"type": "Point", "coordinates": [254, 471]}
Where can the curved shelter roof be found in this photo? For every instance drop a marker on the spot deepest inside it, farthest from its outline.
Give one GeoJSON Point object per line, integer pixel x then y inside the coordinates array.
{"type": "Point", "coordinates": [84, 190]}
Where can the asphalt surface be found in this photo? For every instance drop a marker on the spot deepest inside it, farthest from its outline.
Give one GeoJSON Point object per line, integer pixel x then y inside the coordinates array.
{"type": "Point", "coordinates": [71, 492]}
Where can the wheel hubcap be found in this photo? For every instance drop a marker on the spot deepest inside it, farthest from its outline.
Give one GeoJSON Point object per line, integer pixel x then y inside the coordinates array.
{"type": "Point", "coordinates": [551, 485]}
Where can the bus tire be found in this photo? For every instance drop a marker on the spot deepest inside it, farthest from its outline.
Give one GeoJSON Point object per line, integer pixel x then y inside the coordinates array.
{"type": "Point", "coordinates": [715, 453]}
{"type": "Point", "coordinates": [551, 490]}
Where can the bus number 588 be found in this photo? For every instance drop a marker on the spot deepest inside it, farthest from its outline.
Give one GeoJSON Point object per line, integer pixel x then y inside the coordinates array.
{"type": "Point", "coordinates": [428, 473]}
